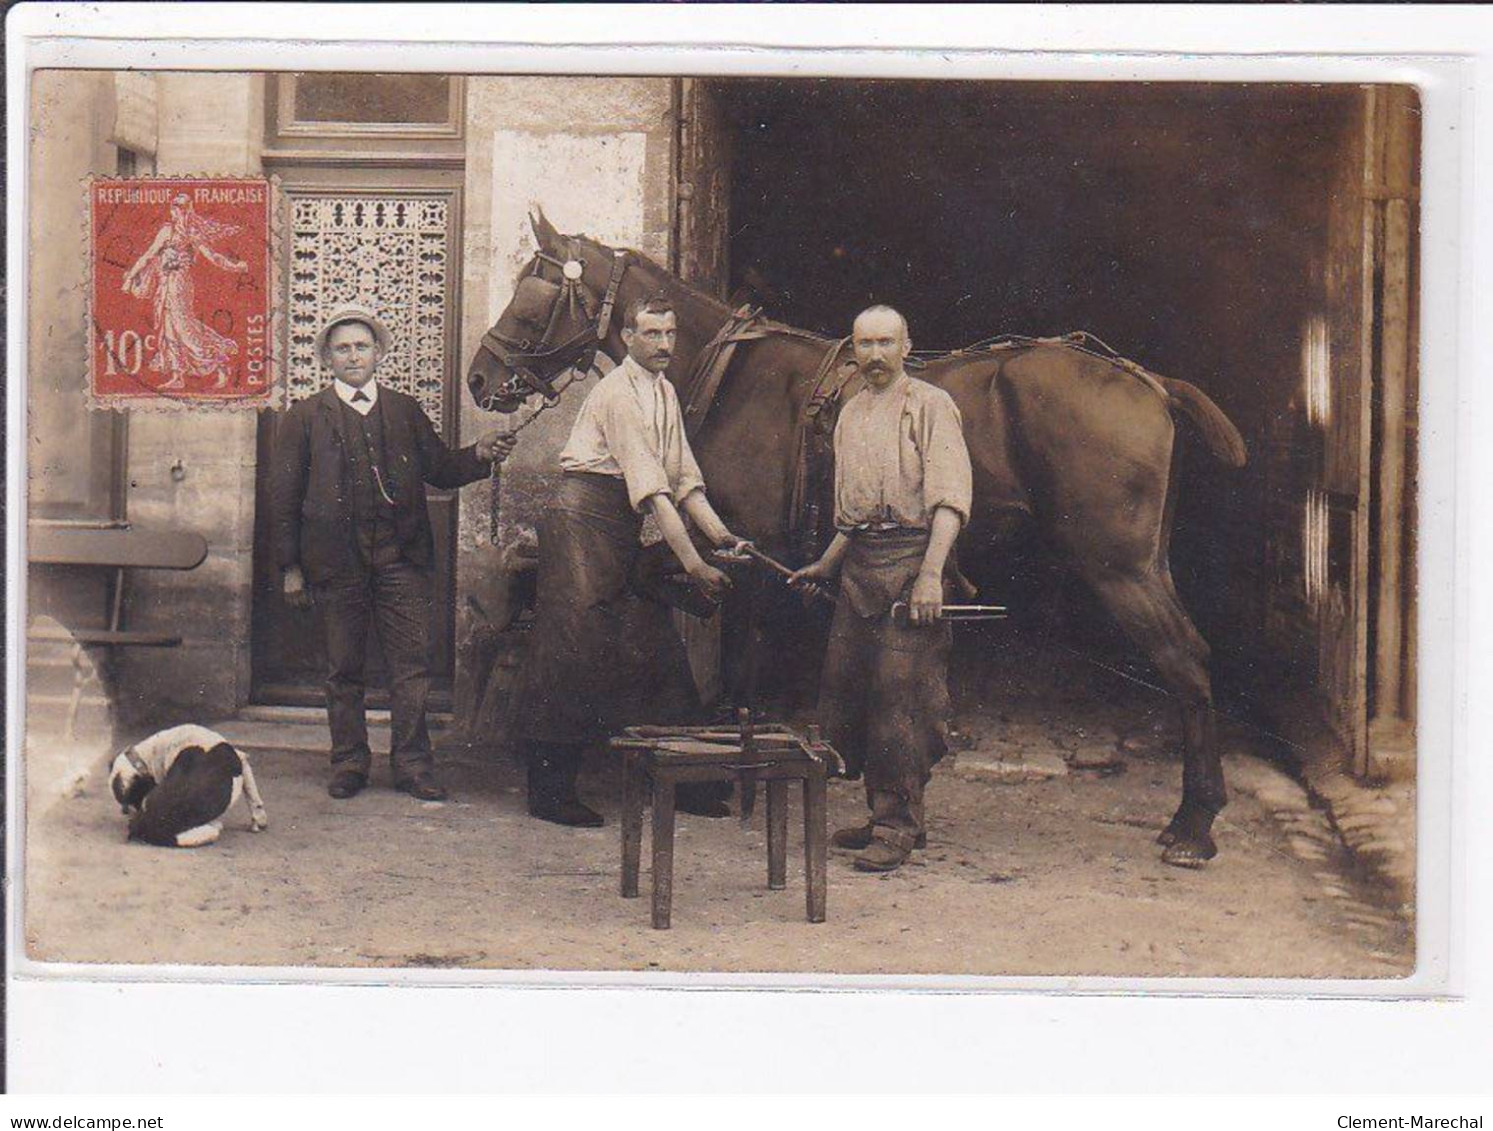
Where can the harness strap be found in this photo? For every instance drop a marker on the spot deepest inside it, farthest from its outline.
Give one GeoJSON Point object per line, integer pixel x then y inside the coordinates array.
{"type": "Point", "coordinates": [713, 360]}
{"type": "Point", "coordinates": [604, 319]}
{"type": "Point", "coordinates": [1080, 340]}
{"type": "Point", "coordinates": [820, 392]}
{"type": "Point", "coordinates": [830, 380]}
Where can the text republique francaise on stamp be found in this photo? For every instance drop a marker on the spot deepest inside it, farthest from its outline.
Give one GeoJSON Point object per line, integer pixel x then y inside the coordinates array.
{"type": "Point", "coordinates": [182, 293]}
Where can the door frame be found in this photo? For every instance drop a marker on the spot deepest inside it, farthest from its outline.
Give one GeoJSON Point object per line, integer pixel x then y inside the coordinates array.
{"type": "Point", "coordinates": [390, 176]}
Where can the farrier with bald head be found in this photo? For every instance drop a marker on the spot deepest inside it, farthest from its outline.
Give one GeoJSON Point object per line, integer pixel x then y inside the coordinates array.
{"type": "Point", "coordinates": [902, 494]}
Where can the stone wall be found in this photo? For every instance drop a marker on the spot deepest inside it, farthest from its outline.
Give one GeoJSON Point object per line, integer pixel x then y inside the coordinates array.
{"type": "Point", "coordinates": [196, 472]}
{"type": "Point", "coordinates": [597, 155]}
{"type": "Point", "coordinates": [65, 462]}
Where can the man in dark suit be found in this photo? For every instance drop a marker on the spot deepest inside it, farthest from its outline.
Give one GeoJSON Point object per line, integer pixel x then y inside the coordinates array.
{"type": "Point", "coordinates": [352, 536]}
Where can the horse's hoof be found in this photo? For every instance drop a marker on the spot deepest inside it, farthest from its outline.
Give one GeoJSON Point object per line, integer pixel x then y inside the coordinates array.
{"type": "Point", "coordinates": [1188, 823]}
{"type": "Point", "coordinates": [1189, 853]}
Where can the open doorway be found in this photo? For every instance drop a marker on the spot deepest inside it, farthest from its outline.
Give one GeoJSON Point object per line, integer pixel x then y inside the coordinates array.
{"type": "Point", "coordinates": [1185, 225]}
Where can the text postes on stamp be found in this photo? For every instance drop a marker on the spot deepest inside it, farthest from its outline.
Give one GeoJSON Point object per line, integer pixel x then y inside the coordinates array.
{"type": "Point", "coordinates": [182, 293]}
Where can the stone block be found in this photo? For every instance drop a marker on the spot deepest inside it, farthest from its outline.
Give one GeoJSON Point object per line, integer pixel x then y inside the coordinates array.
{"type": "Point", "coordinates": [217, 439]}
{"type": "Point", "coordinates": [216, 515]}
{"type": "Point", "coordinates": [210, 121]}
{"type": "Point", "coordinates": [186, 684]}
{"type": "Point", "coordinates": [568, 103]}
{"type": "Point", "coordinates": [92, 718]}
{"type": "Point", "coordinates": [211, 602]}
{"type": "Point", "coordinates": [1038, 766]}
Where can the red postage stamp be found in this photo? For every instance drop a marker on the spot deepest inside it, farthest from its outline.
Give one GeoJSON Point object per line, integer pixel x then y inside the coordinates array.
{"type": "Point", "coordinates": [182, 293]}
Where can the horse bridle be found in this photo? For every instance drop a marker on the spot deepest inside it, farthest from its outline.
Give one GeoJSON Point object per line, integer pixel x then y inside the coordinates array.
{"type": "Point", "coordinates": [576, 352]}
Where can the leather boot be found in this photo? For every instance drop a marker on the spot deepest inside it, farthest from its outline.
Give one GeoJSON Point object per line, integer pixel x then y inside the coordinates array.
{"type": "Point", "coordinates": [860, 836]}
{"type": "Point", "coordinates": [552, 795]}
{"type": "Point", "coordinates": [888, 851]}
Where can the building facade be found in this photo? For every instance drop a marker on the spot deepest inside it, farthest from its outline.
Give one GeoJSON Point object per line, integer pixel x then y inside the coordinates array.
{"type": "Point", "coordinates": [1260, 242]}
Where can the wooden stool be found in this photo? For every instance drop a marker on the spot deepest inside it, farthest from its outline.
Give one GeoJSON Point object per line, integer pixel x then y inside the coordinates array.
{"type": "Point", "coordinates": [663, 757]}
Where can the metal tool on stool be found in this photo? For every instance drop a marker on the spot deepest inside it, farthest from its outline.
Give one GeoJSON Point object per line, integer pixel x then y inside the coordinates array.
{"type": "Point", "coordinates": [660, 758]}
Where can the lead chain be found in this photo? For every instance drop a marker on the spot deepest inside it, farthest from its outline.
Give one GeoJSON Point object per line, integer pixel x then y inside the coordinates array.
{"type": "Point", "coordinates": [495, 476]}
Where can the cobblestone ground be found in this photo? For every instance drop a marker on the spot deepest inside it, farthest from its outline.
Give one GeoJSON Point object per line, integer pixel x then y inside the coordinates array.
{"type": "Point", "coordinates": [1040, 861]}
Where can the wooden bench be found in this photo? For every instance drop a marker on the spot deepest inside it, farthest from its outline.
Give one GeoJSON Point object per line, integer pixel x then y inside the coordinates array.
{"type": "Point", "coordinates": [116, 548]}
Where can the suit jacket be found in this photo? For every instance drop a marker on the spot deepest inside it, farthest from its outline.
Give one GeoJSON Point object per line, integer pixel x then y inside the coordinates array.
{"type": "Point", "coordinates": [311, 509]}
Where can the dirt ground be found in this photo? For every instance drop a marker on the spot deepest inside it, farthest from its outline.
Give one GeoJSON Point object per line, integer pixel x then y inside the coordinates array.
{"type": "Point", "coordinates": [1051, 870]}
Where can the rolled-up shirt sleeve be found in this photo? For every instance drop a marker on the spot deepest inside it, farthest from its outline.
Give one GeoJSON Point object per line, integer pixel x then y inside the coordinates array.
{"type": "Point", "coordinates": [947, 480]}
{"type": "Point", "coordinates": [690, 479]}
{"type": "Point", "coordinates": [622, 427]}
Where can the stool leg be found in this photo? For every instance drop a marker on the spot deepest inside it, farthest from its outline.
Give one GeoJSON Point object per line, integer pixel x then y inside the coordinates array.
{"type": "Point", "coordinates": [663, 848]}
{"type": "Point", "coordinates": [777, 833]}
{"type": "Point", "coordinates": [815, 847]}
{"type": "Point", "coordinates": [633, 787]}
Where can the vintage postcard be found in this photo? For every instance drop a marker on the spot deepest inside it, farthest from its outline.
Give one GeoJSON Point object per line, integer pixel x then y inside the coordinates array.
{"type": "Point", "coordinates": [894, 521]}
{"type": "Point", "coordinates": [986, 549]}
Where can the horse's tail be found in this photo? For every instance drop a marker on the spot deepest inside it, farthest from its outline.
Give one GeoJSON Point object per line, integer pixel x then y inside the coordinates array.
{"type": "Point", "coordinates": [1217, 430]}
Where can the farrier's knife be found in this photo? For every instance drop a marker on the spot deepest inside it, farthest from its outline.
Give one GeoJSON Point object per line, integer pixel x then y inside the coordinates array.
{"type": "Point", "coordinates": [901, 619]}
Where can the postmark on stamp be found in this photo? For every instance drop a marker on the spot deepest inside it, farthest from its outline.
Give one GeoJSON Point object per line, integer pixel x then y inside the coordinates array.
{"type": "Point", "coordinates": [182, 293]}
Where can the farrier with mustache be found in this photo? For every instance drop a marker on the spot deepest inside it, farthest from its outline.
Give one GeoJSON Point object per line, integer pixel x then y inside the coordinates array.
{"type": "Point", "coordinates": [602, 657]}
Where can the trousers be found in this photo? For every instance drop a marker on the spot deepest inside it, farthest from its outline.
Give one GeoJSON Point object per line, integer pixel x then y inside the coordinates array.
{"type": "Point", "coordinates": [393, 597]}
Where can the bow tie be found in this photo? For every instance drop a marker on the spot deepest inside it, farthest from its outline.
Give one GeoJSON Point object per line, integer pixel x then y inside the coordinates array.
{"type": "Point", "coordinates": [360, 397]}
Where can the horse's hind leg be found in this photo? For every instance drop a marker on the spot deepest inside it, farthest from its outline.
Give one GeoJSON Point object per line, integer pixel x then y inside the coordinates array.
{"type": "Point", "coordinates": [1150, 614]}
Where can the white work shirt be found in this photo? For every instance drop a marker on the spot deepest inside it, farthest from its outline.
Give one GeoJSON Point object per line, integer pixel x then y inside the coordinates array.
{"type": "Point", "coordinates": [899, 455]}
{"type": "Point", "coordinates": [630, 428]}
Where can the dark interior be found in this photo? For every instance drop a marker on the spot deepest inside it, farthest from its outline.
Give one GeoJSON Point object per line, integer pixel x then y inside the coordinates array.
{"type": "Point", "coordinates": [1185, 225]}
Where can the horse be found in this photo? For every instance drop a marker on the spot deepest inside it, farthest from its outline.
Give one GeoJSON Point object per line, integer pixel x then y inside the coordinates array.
{"type": "Point", "coordinates": [1068, 437]}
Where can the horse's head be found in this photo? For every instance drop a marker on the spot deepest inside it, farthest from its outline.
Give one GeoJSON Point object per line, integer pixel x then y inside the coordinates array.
{"type": "Point", "coordinates": [560, 314]}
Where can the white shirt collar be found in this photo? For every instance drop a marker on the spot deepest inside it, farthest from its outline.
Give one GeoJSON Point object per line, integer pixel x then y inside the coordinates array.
{"type": "Point", "coordinates": [345, 394]}
{"type": "Point", "coordinates": [896, 385]}
{"type": "Point", "coordinates": [637, 372]}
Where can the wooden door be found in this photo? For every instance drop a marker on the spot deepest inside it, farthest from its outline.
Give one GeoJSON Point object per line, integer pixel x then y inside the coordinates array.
{"type": "Point", "coordinates": [1339, 458]}
{"type": "Point", "coordinates": [396, 250]}
{"type": "Point", "coordinates": [701, 253]}
{"type": "Point", "coordinates": [703, 188]}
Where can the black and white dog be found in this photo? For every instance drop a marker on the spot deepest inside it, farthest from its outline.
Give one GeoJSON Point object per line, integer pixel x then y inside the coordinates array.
{"type": "Point", "coordinates": [177, 785]}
